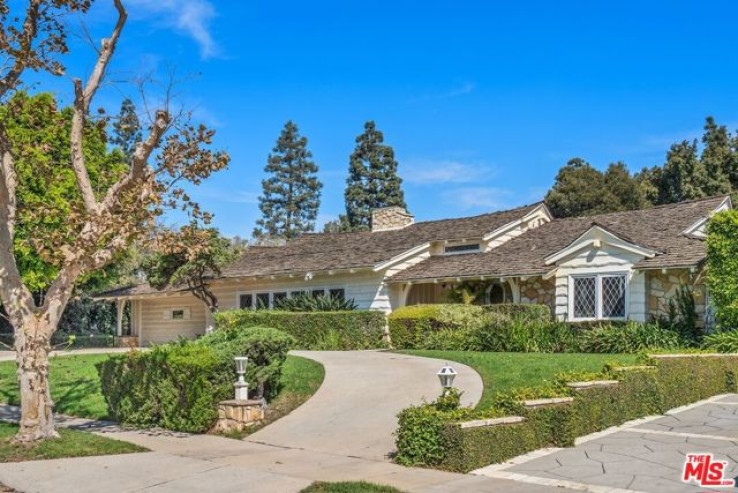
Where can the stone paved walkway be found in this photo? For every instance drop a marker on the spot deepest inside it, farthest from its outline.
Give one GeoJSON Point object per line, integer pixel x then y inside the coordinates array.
{"type": "Point", "coordinates": [643, 456]}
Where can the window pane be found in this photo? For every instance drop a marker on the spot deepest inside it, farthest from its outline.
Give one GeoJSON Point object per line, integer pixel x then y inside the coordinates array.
{"type": "Point", "coordinates": [585, 291]}
{"type": "Point", "coordinates": [178, 314]}
{"type": "Point", "coordinates": [613, 296]}
{"type": "Point", "coordinates": [296, 294]}
{"type": "Point", "coordinates": [246, 301]}
{"type": "Point", "coordinates": [262, 301]}
{"type": "Point", "coordinates": [339, 294]}
{"type": "Point", "coordinates": [318, 292]}
{"type": "Point", "coordinates": [279, 297]}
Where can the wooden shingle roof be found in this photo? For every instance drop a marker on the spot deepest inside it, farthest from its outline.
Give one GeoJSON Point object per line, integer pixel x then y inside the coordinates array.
{"type": "Point", "coordinates": [659, 228]}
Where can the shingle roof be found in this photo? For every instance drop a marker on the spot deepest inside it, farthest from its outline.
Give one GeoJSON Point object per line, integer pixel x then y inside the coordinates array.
{"type": "Point", "coordinates": [342, 251]}
{"type": "Point", "coordinates": [659, 228]}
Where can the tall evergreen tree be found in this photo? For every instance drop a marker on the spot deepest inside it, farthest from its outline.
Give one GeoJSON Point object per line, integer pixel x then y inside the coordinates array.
{"type": "Point", "coordinates": [127, 129]}
{"type": "Point", "coordinates": [625, 187]}
{"type": "Point", "coordinates": [291, 195]}
{"type": "Point", "coordinates": [580, 190]}
{"type": "Point", "coordinates": [718, 158]}
{"type": "Point", "coordinates": [684, 176]}
{"type": "Point", "coordinates": [373, 181]}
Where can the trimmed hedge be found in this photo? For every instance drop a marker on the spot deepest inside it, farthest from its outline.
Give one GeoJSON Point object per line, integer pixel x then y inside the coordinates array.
{"type": "Point", "coordinates": [527, 311]}
{"type": "Point", "coordinates": [411, 326]}
{"type": "Point", "coordinates": [356, 329]}
{"type": "Point", "coordinates": [439, 441]}
{"type": "Point", "coordinates": [178, 386]}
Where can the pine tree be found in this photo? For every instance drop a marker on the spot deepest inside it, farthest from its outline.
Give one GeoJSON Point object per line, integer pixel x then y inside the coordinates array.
{"type": "Point", "coordinates": [127, 129]}
{"type": "Point", "coordinates": [291, 194]}
{"type": "Point", "coordinates": [373, 181]}
{"type": "Point", "coordinates": [683, 176]}
{"type": "Point", "coordinates": [717, 158]}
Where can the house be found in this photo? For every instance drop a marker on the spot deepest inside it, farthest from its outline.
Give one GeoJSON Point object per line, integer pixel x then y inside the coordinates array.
{"type": "Point", "coordinates": [618, 266]}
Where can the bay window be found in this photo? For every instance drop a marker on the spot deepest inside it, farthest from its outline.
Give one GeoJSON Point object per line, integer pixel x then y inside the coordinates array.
{"type": "Point", "coordinates": [598, 296]}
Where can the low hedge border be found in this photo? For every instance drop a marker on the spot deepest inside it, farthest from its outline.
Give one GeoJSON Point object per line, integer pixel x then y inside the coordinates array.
{"type": "Point", "coordinates": [347, 330]}
{"type": "Point", "coordinates": [675, 381]}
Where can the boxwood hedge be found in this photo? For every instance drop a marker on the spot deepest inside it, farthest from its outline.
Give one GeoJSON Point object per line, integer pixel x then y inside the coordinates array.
{"type": "Point", "coordinates": [355, 329]}
{"type": "Point", "coordinates": [433, 438]}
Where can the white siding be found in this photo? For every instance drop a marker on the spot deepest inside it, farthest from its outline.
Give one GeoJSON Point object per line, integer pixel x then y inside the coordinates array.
{"type": "Point", "coordinates": [157, 328]}
{"type": "Point", "coordinates": [607, 259]}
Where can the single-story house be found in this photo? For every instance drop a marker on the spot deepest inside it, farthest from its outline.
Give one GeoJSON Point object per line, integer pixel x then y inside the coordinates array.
{"type": "Point", "coordinates": [618, 266]}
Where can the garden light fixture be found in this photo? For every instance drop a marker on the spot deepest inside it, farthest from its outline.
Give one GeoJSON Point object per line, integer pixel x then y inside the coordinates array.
{"type": "Point", "coordinates": [446, 375]}
{"type": "Point", "coordinates": [242, 388]}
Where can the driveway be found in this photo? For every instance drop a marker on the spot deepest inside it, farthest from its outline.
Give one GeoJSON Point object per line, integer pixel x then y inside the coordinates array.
{"type": "Point", "coordinates": [354, 413]}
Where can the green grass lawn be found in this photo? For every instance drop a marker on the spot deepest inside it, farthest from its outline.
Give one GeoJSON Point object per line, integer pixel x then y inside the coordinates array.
{"type": "Point", "coordinates": [75, 385]}
{"type": "Point", "coordinates": [349, 487]}
{"type": "Point", "coordinates": [505, 371]}
{"type": "Point", "coordinates": [72, 443]}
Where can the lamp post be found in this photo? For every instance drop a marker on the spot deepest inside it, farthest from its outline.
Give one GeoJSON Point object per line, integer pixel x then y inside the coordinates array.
{"type": "Point", "coordinates": [446, 375]}
{"type": "Point", "coordinates": [242, 388]}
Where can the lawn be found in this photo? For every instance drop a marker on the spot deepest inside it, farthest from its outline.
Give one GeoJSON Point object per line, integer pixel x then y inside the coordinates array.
{"type": "Point", "coordinates": [72, 443]}
{"type": "Point", "coordinates": [505, 371]}
{"type": "Point", "coordinates": [75, 385]}
{"type": "Point", "coordinates": [349, 487]}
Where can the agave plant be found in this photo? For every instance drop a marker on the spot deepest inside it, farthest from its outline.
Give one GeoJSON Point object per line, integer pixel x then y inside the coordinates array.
{"type": "Point", "coordinates": [322, 303]}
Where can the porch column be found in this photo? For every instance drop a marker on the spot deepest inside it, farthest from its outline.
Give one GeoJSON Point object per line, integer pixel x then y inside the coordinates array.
{"type": "Point", "coordinates": [515, 288]}
{"type": "Point", "coordinates": [120, 308]}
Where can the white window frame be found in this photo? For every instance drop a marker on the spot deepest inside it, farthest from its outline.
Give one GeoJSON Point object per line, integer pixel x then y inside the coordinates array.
{"type": "Point", "coordinates": [286, 289]}
{"type": "Point", "coordinates": [598, 295]}
{"type": "Point", "coordinates": [169, 313]}
{"type": "Point", "coordinates": [462, 252]}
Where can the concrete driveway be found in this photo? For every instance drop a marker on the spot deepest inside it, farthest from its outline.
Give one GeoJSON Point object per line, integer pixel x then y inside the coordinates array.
{"type": "Point", "coordinates": [354, 413]}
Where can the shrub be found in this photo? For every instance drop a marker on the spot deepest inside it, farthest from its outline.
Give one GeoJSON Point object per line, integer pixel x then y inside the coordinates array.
{"type": "Point", "coordinates": [722, 342]}
{"type": "Point", "coordinates": [632, 337]}
{"type": "Point", "coordinates": [178, 386]}
{"type": "Point", "coordinates": [442, 326]}
{"type": "Point", "coordinates": [722, 267]}
{"type": "Point", "coordinates": [308, 303]}
{"type": "Point", "coordinates": [520, 335]}
{"type": "Point", "coordinates": [359, 329]}
{"type": "Point", "coordinates": [429, 436]}
{"type": "Point", "coordinates": [527, 311]}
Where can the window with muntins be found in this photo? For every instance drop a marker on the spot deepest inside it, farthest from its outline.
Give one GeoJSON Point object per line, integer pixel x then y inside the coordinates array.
{"type": "Point", "coordinates": [599, 296]}
{"type": "Point", "coordinates": [246, 301]}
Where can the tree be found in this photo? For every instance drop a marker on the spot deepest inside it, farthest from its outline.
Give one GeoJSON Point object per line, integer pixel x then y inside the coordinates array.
{"type": "Point", "coordinates": [683, 176]}
{"type": "Point", "coordinates": [127, 129]}
{"type": "Point", "coordinates": [291, 195]}
{"type": "Point", "coordinates": [718, 158]}
{"type": "Point", "coordinates": [580, 190]}
{"type": "Point", "coordinates": [722, 267]}
{"type": "Point", "coordinates": [626, 188]}
{"type": "Point", "coordinates": [98, 223]}
{"type": "Point", "coordinates": [190, 257]}
{"type": "Point", "coordinates": [373, 181]}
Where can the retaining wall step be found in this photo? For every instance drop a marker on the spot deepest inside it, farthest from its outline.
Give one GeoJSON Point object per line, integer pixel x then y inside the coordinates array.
{"type": "Point", "coordinates": [554, 401]}
{"type": "Point", "coordinates": [592, 384]}
{"type": "Point", "coordinates": [505, 420]}
{"type": "Point", "coordinates": [693, 355]}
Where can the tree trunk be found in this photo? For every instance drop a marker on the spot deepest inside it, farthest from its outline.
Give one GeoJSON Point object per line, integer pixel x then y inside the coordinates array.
{"type": "Point", "coordinates": [32, 346]}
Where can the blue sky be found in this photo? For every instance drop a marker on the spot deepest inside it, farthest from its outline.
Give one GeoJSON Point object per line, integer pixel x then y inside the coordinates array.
{"type": "Point", "coordinates": [483, 101]}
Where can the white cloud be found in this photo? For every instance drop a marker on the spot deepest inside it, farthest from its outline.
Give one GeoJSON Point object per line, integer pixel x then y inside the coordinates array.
{"type": "Point", "coordinates": [487, 198]}
{"type": "Point", "coordinates": [191, 17]}
{"type": "Point", "coordinates": [429, 172]}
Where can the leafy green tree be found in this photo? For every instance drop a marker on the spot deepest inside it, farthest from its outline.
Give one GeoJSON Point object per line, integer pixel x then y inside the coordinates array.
{"type": "Point", "coordinates": [649, 180]}
{"type": "Point", "coordinates": [373, 181]}
{"type": "Point", "coordinates": [625, 187]}
{"type": "Point", "coordinates": [40, 131]}
{"type": "Point", "coordinates": [722, 267]}
{"type": "Point", "coordinates": [684, 176]}
{"type": "Point", "coordinates": [190, 257]}
{"type": "Point", "coordinates": [291, 195]}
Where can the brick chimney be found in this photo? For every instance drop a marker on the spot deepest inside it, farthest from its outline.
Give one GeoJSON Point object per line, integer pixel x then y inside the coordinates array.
{"type": "Point", "coordinates": [389, 218]}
